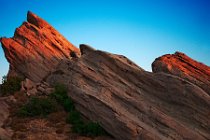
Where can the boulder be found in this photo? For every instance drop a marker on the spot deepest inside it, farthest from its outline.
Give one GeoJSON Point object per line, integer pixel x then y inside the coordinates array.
{"type": "Point", "coordinates": [29, 87]}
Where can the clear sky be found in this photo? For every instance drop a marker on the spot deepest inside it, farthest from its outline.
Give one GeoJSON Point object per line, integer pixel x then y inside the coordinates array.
{"type": "Point", "coordinates": [142, 30]}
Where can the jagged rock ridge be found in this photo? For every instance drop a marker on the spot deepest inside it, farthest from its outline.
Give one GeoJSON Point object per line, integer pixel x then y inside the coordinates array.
{"type": "Point", "coordinates": [128, 102]}
{"type": "Point", "coordinates": [35, 49]}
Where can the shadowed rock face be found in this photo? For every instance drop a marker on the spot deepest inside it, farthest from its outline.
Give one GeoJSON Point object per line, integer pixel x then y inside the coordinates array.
{"type": "Point", "coordinates": [132, 104]}
{"type": "Point", "coordinates": [183, 66]}
{"type": "Point", "coordinates": [128, 102]}
{"type": "Point", "coordinates": [5, 133]}
{"type": "Point", "coordinates": [35, 49]}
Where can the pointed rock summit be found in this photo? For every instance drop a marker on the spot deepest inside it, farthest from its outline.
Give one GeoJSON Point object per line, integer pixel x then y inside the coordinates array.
{"type": "Point", "coordinates": [35, 49]}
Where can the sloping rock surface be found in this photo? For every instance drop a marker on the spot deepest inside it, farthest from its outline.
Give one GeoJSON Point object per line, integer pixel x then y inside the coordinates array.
{"type": "Point", "coordinates": [132, 104]}
{"type": "Point", "coordinates": [129, 103]}
{"type": "Point", "coordinates": [185, 67]}
{"type": "Point", "coordinates": [35, 49]}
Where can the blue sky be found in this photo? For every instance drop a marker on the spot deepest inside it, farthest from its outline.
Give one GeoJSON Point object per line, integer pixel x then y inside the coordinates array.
{"type": "Point", "coordinates": [142, 30]}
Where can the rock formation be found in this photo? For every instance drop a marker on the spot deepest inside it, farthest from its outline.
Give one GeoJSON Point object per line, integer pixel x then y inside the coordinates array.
{"type": "Point", "coordinates": [131, 103]}
{"type": "Point", "coordinates": [183, 66]}
{"type": "Point", "coordinates": [35, 49]}
{"type": "Point", "coordinates": [128, 102]}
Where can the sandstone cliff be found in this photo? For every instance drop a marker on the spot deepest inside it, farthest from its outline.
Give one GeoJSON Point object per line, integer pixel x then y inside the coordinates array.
{"type": "Point", "coordinates": [35, 49]}
{"type": "Point", "coordinates": [131, 103]}
{"type": "Point", "coordinates": [128, 102]}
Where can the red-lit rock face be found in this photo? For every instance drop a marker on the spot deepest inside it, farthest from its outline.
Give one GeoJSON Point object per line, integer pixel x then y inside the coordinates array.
{"type": "Point", "coordinates": [183, 66]}
{"type": "Point", "coordinates": [35, 49]}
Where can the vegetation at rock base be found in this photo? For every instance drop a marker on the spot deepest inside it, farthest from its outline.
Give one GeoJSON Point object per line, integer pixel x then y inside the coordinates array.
{"type": "Point", "coordinates": [74, 117]}
{"type": "Point", "coordinates": [60, 95]}
{"type": "Point", "coordinates": [10, 85]}
{"type": "Point", "coordinates": [43, 106]}
{"type": "Point", "coordinates": [38, 107]}
{"type": "Point", "coordinates": [82, 128]}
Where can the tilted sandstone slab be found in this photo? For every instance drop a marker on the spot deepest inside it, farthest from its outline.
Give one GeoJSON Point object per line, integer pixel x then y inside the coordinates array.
{"type": "Point", "coordinates": [132, 104]}
{"type": "Point", "coordinates": [185, 67]}
{"type": "Point", "coordinates": [35, 49]}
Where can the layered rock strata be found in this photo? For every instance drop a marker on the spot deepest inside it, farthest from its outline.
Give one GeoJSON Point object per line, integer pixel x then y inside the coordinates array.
{"type": "Point", "coordinates": [35, 49]}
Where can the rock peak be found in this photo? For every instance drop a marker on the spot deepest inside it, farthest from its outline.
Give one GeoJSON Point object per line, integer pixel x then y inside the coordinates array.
{"type": "Point", "coordinates": [36, 49]}
{"type": "Point", "coordinates": [85, 49]}
{"type": "Point", "coordinates": [37, 21]}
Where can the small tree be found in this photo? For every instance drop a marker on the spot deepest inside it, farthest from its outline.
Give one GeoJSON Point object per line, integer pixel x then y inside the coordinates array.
{"type": "Point", "coordinates": [4, 79]}
{"type": "Point", "coordinates": [10, 85]}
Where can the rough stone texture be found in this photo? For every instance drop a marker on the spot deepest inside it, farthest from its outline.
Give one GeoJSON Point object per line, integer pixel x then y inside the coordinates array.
{"type": "Point", "coordinates": [35, 49]}
{"type": "Point", "coordinates": [29, 87]}
{"type": "Point", "coordinates": [85, 49]}
{"type": "Point", "coordinates": [5, 133]}
{"type": "Point", "coordinates": [33, 89]}
{"type": "Point", "coordinates": [132, 104]}
{"type": "Point", "coordinates": [183, 66]}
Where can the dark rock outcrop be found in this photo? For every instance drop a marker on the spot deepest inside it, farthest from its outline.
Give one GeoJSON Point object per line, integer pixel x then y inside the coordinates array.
{"type": "Point", "coordinates": [35, 49]}
{"type": "Point", "coordinates": [131, 103]}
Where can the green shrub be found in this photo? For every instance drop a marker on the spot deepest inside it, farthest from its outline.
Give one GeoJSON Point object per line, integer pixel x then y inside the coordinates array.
{"type": "Point", "coordinates": [10, 85]}
{"type": "Point", "coordinates": [68, 105]}
{"type": "Point", "coordinates": [61, 89]}
{"type": "Point", "coordinates": [82, 128]}
{"type": "Point", "coordinates": [60, 95]}
{"type": "Point", "coordinates": [4, 79]}
{"type": "Point", "coordinates": [74, 117]}
{"type": "Point", "coordinates": [79, 129]}
{"type": "Point", "coordinates": [93, 129]}
{"type": "Point", "coordinates": [38, 107]}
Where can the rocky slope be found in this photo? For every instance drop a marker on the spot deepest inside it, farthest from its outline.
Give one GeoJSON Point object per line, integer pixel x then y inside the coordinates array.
{"type": "Point", "coordinates": [185, 67]}
{"type": "Point", "coordinates": [5, 132]}
{"type": "Point", "coordinates": [36, 48]}
{"type": "Point", "coordinates": [128, 102]}
{"type": "Point", "coordinates": [131, 103]}
{"type": "Point", "coordinates": [52, 127]}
